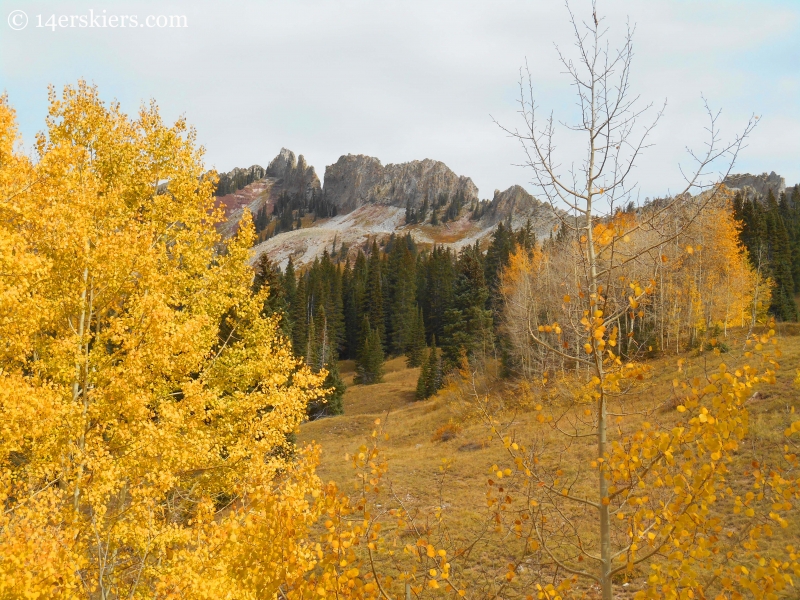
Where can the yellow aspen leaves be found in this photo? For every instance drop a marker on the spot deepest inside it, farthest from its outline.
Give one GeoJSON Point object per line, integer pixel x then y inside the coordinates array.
{"type": "Point", "coordinates": [147, 401]}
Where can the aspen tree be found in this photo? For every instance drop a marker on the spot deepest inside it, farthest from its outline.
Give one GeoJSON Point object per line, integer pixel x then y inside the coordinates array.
{"type": "Point", "coordinates": [603, 290]}
{"type": "Point", "coordinates": [146, 401]}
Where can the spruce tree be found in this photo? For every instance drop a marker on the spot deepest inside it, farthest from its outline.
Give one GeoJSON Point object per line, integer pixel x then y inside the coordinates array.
{"type": "Point", "coordinates": [433, 371]}
{"type": "Point", "coordinates": [334, 401]}
{"type": "Point", "coordinates": [497, 256]}
{"type": "Point", "coordinates": [415, 351]}
{"type": "Point", "coordinates": [422, 382]}
{"type": "Point", "coordinates": [299, 313]}
{"type": "Point", "coordinates": [289, 283]}
{"type": "Point", "coordinates": [334, 382]}
{"type": "Point", "coordinates": [267, 274]}
{"type": "Point", "coordinates": [374, 294]}
{"type": "Point", "coordinates": [369, 364]}
{"type": "Point", "coordinates": [402, 294]}
{"type": "Point", "coordinates": [439, 274]}
{"type": "Point", "coordinates": [350, 312]}
{"type": "Point", "coordinates": [468, 324]}
{"type": "Point", "coordinates": [783, 304]}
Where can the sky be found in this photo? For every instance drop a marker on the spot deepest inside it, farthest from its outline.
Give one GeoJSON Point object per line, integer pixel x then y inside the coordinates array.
{"type": "Point", "coordinates": [405, 80]}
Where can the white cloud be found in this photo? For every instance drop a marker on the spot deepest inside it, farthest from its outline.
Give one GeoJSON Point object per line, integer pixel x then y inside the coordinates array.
{"type": "Point", "coordinates": [414, 79]}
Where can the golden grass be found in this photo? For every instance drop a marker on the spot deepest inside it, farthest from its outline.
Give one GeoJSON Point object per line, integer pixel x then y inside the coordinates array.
{"type": "Point", "coordinates": [415, 452]}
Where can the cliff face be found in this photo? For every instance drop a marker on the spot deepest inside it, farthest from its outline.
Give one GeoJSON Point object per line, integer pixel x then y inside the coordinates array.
{"type": "Point", "coordinates": [237, 179]}
{"type": "Point", "coordinates": [513, 201]}
{"type": "Point", "coordinates": [292, 175]}
{"type": "Point", "coordinates": [757, 185]}
{"type": "Point", "coordinates": [373, 200]}
{"type": "Point", "coordinates": [516, 206]}
{"type": "Point", "coordinates": [356, 180]}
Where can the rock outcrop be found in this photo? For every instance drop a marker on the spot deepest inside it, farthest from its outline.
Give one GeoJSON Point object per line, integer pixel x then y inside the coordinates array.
{"type": "Point", "coordinates": [757, 185]}
{"type": "Point", "coordinates": [355, 180]}
{"type": "Point", "coordinates": [515, 206]}
{"type": "Point", "coordinates": [237, 179]}
{"type": "Point", "coordinates": [292, 175]}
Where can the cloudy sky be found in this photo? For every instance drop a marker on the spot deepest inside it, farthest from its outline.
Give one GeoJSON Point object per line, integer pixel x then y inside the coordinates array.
{"type": "Point", "coordinates": [404, 80]}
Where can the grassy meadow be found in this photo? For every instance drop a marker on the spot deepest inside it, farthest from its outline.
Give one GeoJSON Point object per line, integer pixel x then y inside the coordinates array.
{"type": "Point", "coordinates": [449, 430]}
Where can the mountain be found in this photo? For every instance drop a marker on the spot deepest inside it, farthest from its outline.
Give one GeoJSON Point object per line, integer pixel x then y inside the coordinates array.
{"type": "Point", "coordinates": [757, 185]}
{"type": "Point", "coordinates": [294, 176]}
{"type": "Point", "coordinates": [261, 190]}
{"type": "Point", "coordinates": [356, 180]}
{"type": "Point", "coordinates": [361, 199]}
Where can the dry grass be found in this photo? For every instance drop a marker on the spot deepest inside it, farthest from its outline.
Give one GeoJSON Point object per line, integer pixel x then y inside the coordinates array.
{"type": "Point", "coordinates": [417, 446]}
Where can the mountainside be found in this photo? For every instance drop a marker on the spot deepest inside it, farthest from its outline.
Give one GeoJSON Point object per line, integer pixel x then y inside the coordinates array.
{"type": "Point", "coordinates": [356, 180]}
{"type": "Point", "coordinates": [757, 185]}
{"type": "Point", "coordinates": [294, 176]}
{"type": "Point", "coordinates": [260, 190]}
{"type": "Point", "coordinates": [362, 199]}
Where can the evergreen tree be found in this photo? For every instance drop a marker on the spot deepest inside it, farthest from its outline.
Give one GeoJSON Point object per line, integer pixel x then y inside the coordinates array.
{"type": "Point", "coordinates": [333, 381]}
{"type": "Point", "coordinates": [415, 351]}
{"type": "Point", "coordinates": [793, 226]}
{"type": "Point", "coordinates": [402, 294]}
{"type": "Point", "coordinates": [299, 312]}
{"type": "Point", "coordinates": [430, 375]}
{"type": "Point", "coordinates": [525, 237]}
{"type": "Point", "coordinates": [369, 364]}
{"type": "Point", "coordinates": [439, 275]}
{"type": "Point", "coordinates": [497, 257]}
{"type": "Point", "coordinates": [267, 274]}
{"type": "Point", "coordinates": [374, 294]}
{"type": "Point", "coordinates": [422, 381]}
{"type": "Point", "coordinates": [771, 247]}
{"type": "Point", "coordinates": [350, 312]}
{"type": "Point", "coordinates": [783, 304]}
{"type": "Point", "coordinates": [468, 324]}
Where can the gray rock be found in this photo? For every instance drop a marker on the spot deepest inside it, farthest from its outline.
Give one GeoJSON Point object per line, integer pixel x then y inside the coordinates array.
{"type": "Point", "coordinates": [355, 180]}
{"type": "Point", "coordinates": [757, 185]}
{"type": "Point", "coordinates": [294, 176]}
{"type": "Point", "coordinates": [515, 206]}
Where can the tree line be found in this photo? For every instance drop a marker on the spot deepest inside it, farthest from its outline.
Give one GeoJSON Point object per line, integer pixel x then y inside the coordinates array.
{"type": "Point", "coordinates": [434, 306]}
{"type": "Point", "coordinates": [439, 306]}
{"type": "Point", "coordinates": [771, 233]}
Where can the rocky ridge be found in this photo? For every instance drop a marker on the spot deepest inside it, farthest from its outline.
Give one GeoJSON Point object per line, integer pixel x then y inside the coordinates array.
{"type": "Point", "coordinates": [372, 200]}
{"type": "Point", "coordinates": [757, 185]}
{"type": "Point", "coordinates": [294, 176]}
{"type": "Point", "coordinates": [257, 188]}
{"type": "Point", "coordinates": [355, 180]}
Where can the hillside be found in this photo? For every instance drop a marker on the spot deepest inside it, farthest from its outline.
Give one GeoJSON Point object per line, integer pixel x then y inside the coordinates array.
{"type": "Point", "coordinates": [447, 429]}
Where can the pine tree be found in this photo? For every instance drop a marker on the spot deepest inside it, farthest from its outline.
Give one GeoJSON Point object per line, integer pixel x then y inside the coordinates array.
{"type": "Point", "coordinates": [350, 312]}
{"type": "Point", "coordinates": [415, 351]}
{"type": "Point", "coordinates": [422, 381]}
{"type": "Point", "coordinates": [374, 294]}
{"type": "Point", "coordinates": [433, 371]}
{"type": "Point", "coordinates": [402, 294]}
{"type": "Point", "coordinates": [289, 283]}
{"type": "Point", "coordinates": [783, 303]}
{"type": "Point", "coordinates": [437, 297]}
{"type": "Point", "coordinates": [299, 311]}
{"type": "Point", "coordinates": [333, 381]}
{"type": "Point", "coordinates": [369, 364]}
{"type": "Point", "coordinates": [468, 324]}
{"type": "Point", "coordinates": [268, 275]}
